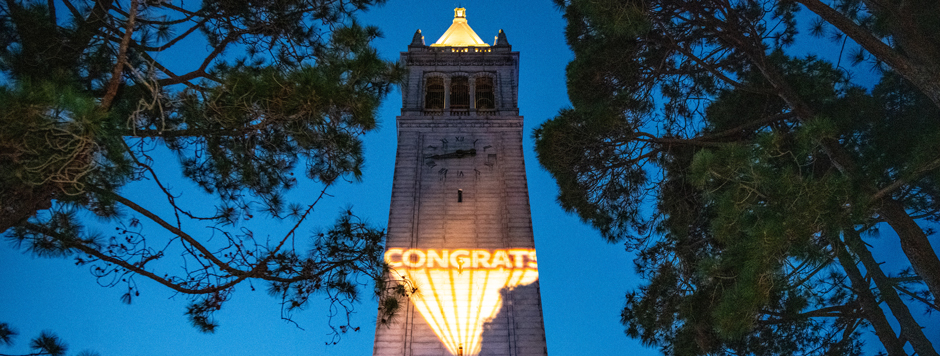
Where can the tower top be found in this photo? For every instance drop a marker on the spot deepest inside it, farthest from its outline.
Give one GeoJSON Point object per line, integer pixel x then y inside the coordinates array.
{"type": "Point", "coordinates": [460, 34]}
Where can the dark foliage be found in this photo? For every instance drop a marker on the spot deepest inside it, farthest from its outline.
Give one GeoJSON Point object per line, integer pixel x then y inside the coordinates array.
{"type": "Point", "coordinates": [100, 115]}
{"type": "Point", "coordinates": [746, 176]}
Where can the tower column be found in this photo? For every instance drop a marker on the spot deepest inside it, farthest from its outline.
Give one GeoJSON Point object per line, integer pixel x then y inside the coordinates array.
{"type": "Point", "coordinates": [473, 92]}
{"type": "Point", "coordinates": [447, 89]}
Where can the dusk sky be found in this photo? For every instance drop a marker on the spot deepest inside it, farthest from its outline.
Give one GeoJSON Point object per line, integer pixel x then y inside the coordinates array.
{"type": "Point", "coordinates": [583, 279]}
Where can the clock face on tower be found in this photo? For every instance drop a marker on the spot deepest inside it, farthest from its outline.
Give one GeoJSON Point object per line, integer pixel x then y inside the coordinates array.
{"type": "Point", "coordinates": [458, 155]}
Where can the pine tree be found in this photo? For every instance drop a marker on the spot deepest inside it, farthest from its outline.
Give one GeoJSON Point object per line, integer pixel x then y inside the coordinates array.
{"type": "Point", "coordinates": [96, 101]}
{"type": "Point", "coordinates": [766, 171]}
{"type": "Point", "coordinates": [47, 343]}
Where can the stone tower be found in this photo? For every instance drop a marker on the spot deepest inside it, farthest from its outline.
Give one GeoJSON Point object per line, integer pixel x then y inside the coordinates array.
{"type": "Point", "coordinates": [460, 229]}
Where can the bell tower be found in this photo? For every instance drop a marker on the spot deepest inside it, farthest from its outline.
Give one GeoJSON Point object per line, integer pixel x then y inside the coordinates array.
{"type": "Point", "coordinates": [460, 229]}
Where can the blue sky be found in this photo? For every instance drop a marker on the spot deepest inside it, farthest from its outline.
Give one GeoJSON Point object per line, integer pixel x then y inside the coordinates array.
{"type": "Point", "coordinates": [582, 278]}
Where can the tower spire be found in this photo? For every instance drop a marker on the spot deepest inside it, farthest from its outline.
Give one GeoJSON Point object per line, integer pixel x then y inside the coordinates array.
{"type": "Point", "coordinates": [460, 34]}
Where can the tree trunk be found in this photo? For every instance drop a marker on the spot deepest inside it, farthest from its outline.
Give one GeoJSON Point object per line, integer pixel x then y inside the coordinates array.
{"type": "Point", "coordinates": [870, 307]}
{"type": "Point", "coordinates": [910, 329]}
{"type": "Point", "coordinates": [913, 240]}
{"type": "Point", "coordinates": [915, 244]}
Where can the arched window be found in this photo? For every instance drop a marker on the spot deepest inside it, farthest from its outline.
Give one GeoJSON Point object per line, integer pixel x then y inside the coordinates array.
{"type": "Point", "coordinates": [459, 93]}
{"type": "Point", "coordinates": [434, 94]}
{"type": "Point", "coordinates": [485, 100]}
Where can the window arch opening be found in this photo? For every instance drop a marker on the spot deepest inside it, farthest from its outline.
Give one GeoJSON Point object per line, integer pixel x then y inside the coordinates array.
{"type": "Point", "coordinates": [459, 93]}
{"type": "Point", "coordinates": [485, 99]}
{"type": "Point", "coordinates": [434, 94]}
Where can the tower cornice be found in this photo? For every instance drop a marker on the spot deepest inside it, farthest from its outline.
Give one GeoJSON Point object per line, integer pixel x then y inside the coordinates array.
{"type": "Point", "coordinates": [511, 122]}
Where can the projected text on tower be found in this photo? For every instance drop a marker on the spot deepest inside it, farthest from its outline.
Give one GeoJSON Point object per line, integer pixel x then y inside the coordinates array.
{"type": "Point", "coordinates": [460, 290]}
{"type": "Point", "coordinates": [459, 258]}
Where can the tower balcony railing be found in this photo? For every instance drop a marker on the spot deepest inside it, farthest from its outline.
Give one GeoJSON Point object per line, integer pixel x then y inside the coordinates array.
{"type": "Point", "coordinates": [468, 49]}
{"type": "Point", "coordinates": [460, 49]}
{"type": "Point", "coordinates": [459, 112]}
{"type": "Point", "coordinates": [432, 112]}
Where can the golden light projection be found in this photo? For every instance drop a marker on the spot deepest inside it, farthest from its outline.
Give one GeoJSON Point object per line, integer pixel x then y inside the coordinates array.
{"type": "Point", "coordinates": [459, 290]}
{"type": "Point", "coordinates": [459, 34]}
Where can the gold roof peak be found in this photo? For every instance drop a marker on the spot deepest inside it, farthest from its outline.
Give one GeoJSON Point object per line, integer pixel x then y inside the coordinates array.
{"type": "Point", "coordinates": [460, 34]}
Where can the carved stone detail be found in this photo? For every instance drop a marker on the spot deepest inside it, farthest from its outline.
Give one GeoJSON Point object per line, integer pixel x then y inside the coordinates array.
{"type": "Point", "coordinates": [459, 124]}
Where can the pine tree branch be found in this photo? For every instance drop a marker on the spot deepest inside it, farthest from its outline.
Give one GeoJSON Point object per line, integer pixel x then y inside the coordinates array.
{"type": "Point", "coordinates": [89, 27]}
{"type": "Point", "coordinates": [905, 279]}
{"type": "Point", "coordinates": [173, 41]}
{"type": "Point", "coordinates": [710, 68]}
{"type": "Point", "coordinates": [201, 72]}
{"type": "Point", "coordinates": [170, 6]}
{"type": "Point", "coordinates": [713, 140]}
{"type": "Point", "coordinates": [173, 78]}
{"type": "Point", "coordinates": [903, 181]}
{"type": "Point", "coordinates": [917, 297]}
{"type": "Point", "coordinates": [178, 232]}
{"type": "Point", "coordinates": [921, 77]}
{"type": "Point", "coordinates": [188, 132]}
{"type": "Point", "coordinates": [860, 35]}
{"type": "Point", "coordinates": [813, 273]}
{"type": "Point", "coordinates": [118, 72]}
{"type": "Point", "coordinates": [170, 198]}
{"type": "Point", "coordinates": [259, 271]}
{"type": "Point", "coordinates": [836, 311]}
{"type": "Point", "coordinates": [188, 17]}
{"type": "Point", "coordinates": [75, 13]}
{"type": "Point", "coordinates": [259, 266]}
{"type": "Point", "coordinates": [133, 267]}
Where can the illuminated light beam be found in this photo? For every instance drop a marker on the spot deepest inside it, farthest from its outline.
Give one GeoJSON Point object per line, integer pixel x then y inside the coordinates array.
{"type": "Point", "coordinates": [458, 300]}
